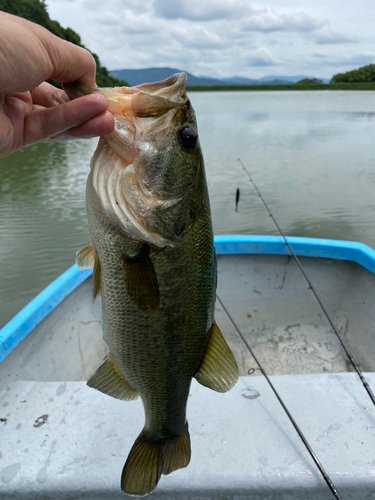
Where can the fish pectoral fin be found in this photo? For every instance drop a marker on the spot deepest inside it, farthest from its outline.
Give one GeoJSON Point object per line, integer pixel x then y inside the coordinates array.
{"type": "Point", "coordinates": [109, 380]}
{"type": "Point", "coordinates": [149, 459]}
{"type": "Point", "coordinates": [96, 278]}
{"type": "Point", "coordinates": [219, 370]}
{"type": "Point", "coordinates": [85, 257]}
{"type": "Point", "coordinates": [141, 282]}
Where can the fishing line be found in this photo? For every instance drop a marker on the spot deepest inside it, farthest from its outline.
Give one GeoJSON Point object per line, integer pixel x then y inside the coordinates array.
{"type": "Point", "coordinates": [346, 349]}
{"type": "Point", "coordinates": [326, 477]}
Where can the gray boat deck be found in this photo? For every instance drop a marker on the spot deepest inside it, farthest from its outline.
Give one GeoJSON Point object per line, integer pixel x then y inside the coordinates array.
{"type": "Point", "coordinates": [60, 439]}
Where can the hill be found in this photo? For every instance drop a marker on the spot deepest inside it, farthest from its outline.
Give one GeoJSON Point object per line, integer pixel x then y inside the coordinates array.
{"type": "Point", "coordinates": [36, 11]}
{"type": "Point", "coordinates": [138, 76]}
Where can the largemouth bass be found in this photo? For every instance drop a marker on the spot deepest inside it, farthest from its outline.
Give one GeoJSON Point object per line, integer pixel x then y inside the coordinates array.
{"type": "Point", "coordinates": [154, 268]}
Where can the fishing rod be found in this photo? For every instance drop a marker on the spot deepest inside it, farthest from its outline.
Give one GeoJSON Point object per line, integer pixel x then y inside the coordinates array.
{"type": "Point", "coordinates": [325, 475]}
{"type": "Point", "coordinates": [346, 349]}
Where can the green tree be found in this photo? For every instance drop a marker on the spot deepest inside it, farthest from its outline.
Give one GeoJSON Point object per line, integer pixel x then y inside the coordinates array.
{"type": "Point", "coordinates": [36, 11]}
{"type": "Point", "coordinates": [310, 81]}
{"type": "Point", "coordinates": [363, 74]}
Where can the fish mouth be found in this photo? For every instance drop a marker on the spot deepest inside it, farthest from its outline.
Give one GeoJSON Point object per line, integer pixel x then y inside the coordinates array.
{"type": "Point", "coordinates": [138, 111]}
{"type": "Point", "coordinates": [143, 117]}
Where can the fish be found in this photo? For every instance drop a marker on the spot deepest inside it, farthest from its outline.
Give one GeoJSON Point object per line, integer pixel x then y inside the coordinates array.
{"type": "Point", "coordinates": [154, 268]}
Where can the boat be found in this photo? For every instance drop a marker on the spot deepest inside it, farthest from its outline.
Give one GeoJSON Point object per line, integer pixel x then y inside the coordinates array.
{"type": "Point", "coordinates": [60, 439]}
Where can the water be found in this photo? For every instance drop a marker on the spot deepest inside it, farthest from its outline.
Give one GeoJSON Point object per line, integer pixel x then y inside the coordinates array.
{"type": "Point", "coordinates": [310, 153]}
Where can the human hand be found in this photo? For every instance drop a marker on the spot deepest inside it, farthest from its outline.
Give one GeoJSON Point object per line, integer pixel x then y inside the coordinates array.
{"type": "Point", "coordinates": [32, 110]}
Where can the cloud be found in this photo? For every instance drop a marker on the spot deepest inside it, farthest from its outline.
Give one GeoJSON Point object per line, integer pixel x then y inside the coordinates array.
{"type": "Point", "coordinates": [252, 18]}
{"type": "Point", "coordinates": [353, 61]}
{"type": "Point", "coordinates": [268, 20]}
{"type": "Point", "coordinates": [222, 37]}
{"type": "Point", "coordinates": [201, 10]}
{"type": "Point", "coordinates": [198, 37]}
{"type": "Point", "coordinates": [261, 57]}
{"type": "Point", "coordinates": [327, 36]}
{"type": "Point", "coordinates": [142, 24]}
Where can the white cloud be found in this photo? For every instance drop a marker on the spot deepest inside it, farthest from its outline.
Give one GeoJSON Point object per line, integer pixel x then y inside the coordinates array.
{"type": "Point", "coordinates": [268, 20]}
{"type": "Point", "coordinates": [138, 23]}
{"type": "Point", "coordinates": [202, 10]}
{"type": "Point", "coordinates": [347, 60]}
{"type": "Point", "coordinates": [327, 36]}
{"type": "Point", "coordinates": [223, 37]}
{"type": "Point", "coordinates": [261, 57]}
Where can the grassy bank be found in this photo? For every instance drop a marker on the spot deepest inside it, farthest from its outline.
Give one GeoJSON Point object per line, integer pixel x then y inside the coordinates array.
{"type": "Point", "coordinates": [292, 86]}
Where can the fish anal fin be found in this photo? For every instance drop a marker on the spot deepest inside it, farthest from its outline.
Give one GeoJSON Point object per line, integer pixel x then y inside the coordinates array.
{"type": "Point", "coordinates": [109, 380]}
{"type": "Point", "coordinates": [219, 370]}
{"type": "Point", "coordinates": [149, 459]}
{"type": "Point", "coordinates": [96, 278]}
{"type": "Point", "coordinates": [85, 257]}
{"type": "Point", "coordinates": [141, 282]}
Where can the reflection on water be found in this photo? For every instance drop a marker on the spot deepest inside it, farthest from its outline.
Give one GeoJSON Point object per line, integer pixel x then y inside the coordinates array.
{"type": "Point", "coordinates": [310, 154]}
{"type": "Point", "coordinates": [43, 218]}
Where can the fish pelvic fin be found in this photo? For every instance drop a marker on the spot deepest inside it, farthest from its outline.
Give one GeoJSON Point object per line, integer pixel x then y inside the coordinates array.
{"type": "Point", "coordinates": [149, 459]}
{"type": "Point", "coordinates": [141, 282]}
{"type": "Point", "coordinates": [219, 370]}
{"type": "Point", "coordinates": [85, 257]}
{"type": "Point", "coordinates": [109, 380]}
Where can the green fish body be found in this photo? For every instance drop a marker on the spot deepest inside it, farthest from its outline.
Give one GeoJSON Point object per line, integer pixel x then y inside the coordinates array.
{"type": "Point", "coordinates": [154, 268]}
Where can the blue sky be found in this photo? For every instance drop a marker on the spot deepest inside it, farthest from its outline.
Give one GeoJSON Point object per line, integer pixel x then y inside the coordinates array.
{"type": "Point", "coordinates": [221, 38]}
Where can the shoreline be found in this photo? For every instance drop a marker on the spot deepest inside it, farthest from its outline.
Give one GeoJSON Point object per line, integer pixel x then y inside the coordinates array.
{"type": "Point", "coordinates": [284, 87]}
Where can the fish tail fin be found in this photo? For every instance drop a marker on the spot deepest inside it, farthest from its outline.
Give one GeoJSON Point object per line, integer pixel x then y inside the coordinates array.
{"type": "Point", "coordinates": [149, 459]}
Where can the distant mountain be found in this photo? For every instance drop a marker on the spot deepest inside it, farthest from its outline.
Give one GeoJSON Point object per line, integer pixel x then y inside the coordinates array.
{"type": "Point", "coordinates": [288, 79]}
{"type": "Point", "coordinates": [239, 80]}
{"type": "Point", "coordinates": [138, 76]}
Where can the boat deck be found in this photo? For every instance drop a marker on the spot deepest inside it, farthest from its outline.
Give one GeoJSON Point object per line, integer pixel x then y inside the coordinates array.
{"type": "Point", "coordinates": [63, 440]}
{"type": "Point", "coordinates": [72, 441]}
{"type": "Point", "coordinates": [267, 297]}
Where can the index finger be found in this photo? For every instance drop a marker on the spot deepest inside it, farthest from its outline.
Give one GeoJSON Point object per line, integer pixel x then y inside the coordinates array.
{"type": "Point", "coordinates": [29, 54]}
{"type": "Point", "coordinates": [69, 61]}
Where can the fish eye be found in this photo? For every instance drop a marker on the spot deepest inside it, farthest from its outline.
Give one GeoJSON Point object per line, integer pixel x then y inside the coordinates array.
{"type": "Point", "coordinates": [188, 138]}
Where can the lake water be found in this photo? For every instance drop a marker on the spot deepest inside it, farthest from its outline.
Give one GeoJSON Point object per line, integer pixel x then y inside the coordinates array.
{"type": "Point", "coordinates": [311, 154]}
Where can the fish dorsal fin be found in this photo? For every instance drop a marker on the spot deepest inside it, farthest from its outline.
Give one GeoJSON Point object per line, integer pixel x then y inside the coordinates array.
{"type": "Point", "coordinates": [96, 278]}
{"type": "Point", "coordinates": [85, 257]}
{"type": "Point", "coordinates": [141, 282]}
{"type": "Point", "coordinates": [219, 370]}
{"type": "Point", "coordinates": [109, 380]}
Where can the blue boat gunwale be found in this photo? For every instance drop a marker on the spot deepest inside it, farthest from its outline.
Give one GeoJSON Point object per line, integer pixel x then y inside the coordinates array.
{"type": "Point", "coordinates": [45, 302]}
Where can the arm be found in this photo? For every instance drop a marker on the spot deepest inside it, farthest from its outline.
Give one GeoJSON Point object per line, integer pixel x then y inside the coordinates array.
{"type": "Point", "coordinates": [32, 110]}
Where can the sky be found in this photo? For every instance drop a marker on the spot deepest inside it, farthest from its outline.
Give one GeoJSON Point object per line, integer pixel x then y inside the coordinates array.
{"type": "Point", "coordinates": [224, 38]}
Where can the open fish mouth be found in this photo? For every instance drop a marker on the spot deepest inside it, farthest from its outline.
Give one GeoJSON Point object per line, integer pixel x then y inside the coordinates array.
{"type": "Point", "coordinates": [143, 126]}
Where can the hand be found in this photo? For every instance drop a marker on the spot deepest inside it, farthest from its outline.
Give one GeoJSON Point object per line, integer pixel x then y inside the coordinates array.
{"type": "Point", "coordinates": [32, 110]}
